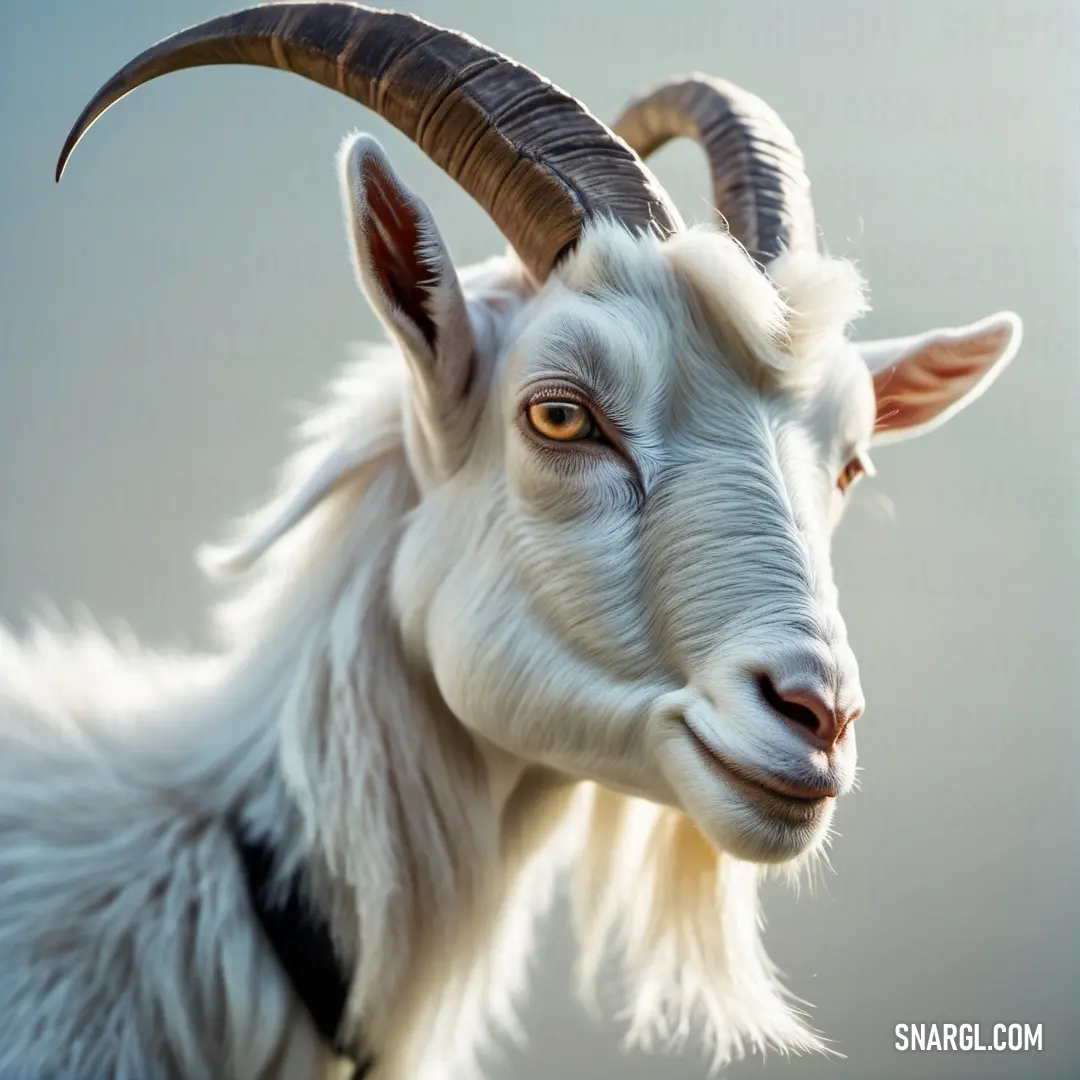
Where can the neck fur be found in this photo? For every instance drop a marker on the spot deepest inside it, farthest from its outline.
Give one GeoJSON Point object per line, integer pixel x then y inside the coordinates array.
{"type": "Point", "coordinates": [344, 756]}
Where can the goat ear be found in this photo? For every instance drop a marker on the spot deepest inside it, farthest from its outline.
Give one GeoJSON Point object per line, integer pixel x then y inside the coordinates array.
{"type": "Point", "coordinates": [407, 274]}
{"type": "Point", "coordinates": [923, 380]}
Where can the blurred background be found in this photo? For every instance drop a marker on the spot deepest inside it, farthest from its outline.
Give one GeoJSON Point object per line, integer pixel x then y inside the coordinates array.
{"type": "Point", "coordinates": [164, 308]}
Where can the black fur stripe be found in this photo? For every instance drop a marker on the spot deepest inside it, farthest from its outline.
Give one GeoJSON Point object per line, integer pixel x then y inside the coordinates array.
{"type": "Point", "coordinates": [300, 937]}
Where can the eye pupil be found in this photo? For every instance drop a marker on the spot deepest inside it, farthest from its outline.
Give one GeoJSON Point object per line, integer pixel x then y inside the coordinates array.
{"type": "Point", "coordinates": [562, 421]}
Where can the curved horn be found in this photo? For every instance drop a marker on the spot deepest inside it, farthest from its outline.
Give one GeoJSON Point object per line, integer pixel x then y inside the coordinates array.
{"type": "Point", "coordinates": [531, 155]}
{"type": "Point", "coordinates": [759, 178]}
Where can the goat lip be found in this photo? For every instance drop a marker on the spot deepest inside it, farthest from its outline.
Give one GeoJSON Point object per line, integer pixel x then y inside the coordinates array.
{"type": "Point", "coordinates": [776, 786]}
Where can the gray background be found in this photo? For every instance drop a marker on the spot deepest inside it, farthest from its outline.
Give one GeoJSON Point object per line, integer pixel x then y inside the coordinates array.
{"type": "Point", "coordinates": [189, 279]}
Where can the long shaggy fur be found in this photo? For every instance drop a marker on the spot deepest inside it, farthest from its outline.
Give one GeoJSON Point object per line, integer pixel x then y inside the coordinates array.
{"type": "Point", "coordinates": [128, 945]}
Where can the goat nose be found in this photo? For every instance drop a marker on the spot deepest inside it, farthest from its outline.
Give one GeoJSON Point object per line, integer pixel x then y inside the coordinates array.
{"type": "Point", "coordinates": [810, 708]}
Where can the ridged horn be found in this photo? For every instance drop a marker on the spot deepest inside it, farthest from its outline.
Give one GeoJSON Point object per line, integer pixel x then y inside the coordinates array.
{"type": "Point", "coordinates": [531, 155]}
{"type": "Point", "coordinates": [759, 178]}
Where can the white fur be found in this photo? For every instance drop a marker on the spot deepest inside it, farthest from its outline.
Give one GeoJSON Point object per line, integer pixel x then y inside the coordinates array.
{"type": "Point", "coordinates": [436, 690]}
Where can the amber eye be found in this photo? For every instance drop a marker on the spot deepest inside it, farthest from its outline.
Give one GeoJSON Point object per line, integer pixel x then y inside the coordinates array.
{"type": "Point", "coordinates": [563, 421]}
{"type": "Point", "coordinates": [850, 473]}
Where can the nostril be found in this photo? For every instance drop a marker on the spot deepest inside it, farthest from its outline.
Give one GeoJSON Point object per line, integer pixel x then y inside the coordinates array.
{"type": "Point", "coordinates": [805, 708]}
{"type": "Point", "coordinates": [793, 710]}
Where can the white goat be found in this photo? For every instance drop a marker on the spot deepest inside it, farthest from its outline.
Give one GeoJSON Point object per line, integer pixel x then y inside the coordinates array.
{"type": "Point", "coordinates": [548, 586]}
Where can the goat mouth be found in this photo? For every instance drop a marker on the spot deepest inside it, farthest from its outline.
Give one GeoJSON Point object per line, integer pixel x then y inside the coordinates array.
{"type": "Point", "coordinates": [765, 790]}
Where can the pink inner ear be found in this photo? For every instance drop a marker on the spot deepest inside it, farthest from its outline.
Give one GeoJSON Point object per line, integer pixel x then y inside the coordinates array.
{"type": "Point", "coordinates": [931, 380]}
{"type": "Point", "coordinates": [394, 237]}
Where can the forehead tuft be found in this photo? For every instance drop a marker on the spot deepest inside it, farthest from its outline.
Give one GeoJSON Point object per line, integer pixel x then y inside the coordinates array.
{"type": "Point", "coordinates": [702, 280]}
{"type": "Point", "coordinates": [609, 259]}
{"type": "Point", "coordinates": [823, 296]}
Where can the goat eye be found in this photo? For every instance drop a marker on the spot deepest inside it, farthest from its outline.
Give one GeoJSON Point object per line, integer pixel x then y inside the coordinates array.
{"type": "Point", "coordinates": [563, 421]}
{"type": "Point", "coordinates": [850, 473]}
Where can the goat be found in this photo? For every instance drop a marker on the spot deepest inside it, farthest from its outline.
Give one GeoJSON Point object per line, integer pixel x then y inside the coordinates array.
{"type": "Point", "coordinates": [546, 590]}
